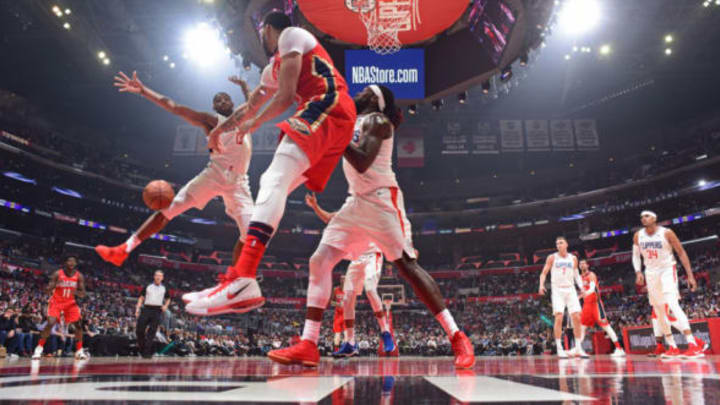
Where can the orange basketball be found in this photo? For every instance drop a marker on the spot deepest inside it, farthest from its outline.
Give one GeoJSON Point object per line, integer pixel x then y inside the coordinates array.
{"type": "Point", "coordinates": [158, 194]}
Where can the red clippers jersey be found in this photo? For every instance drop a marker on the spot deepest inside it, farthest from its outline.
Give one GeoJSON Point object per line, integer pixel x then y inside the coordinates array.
{"type": "Point", "coordinates": [318, 77]}
{"type": "Point", "coordinates": [586, 280]}
{"type": "Point", "coordinates": [65, 287]}
{"type": "Point", "coordinates": [338, 294]}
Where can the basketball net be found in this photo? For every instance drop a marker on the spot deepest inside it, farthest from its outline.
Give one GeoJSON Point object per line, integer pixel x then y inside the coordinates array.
{"type": "Point", "coordinates": [384, 19]}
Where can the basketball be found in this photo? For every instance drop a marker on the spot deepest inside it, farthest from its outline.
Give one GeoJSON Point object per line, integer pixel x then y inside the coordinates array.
{"type": "Point", "coordinates": [158, 194]}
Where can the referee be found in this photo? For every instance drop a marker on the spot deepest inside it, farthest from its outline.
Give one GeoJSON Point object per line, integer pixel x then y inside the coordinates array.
{"type": "Point", "coordinates": [154, 300]}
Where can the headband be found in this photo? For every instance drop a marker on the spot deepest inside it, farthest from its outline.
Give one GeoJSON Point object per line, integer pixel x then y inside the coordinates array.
{"type": "Point", "coordinates": [381, 99]}
{"type": "Point", "coordinates": [646, 212]}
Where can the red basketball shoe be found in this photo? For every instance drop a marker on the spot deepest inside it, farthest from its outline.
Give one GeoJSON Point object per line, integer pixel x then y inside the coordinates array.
{"type": "Point", "coordinates": [463, 349]}
{"type": "Point", "coordinates": [115, 255]}
{"type": "Point", "coordinates": [305, 353]}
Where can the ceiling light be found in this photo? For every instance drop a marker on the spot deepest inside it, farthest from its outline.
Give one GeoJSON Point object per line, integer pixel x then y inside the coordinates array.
{"type": "Point", "coordinates": [668, 38]}
{"type": "Point", "coordinates": [578, 16]}
{"type": "Point", "coordinates": [605, 49]}
{"type": "Point", "coordinates": [101, 55]}
{"type": "Point", "coordinates": [668, 51]}
{"type": "Point", "coordinates": [67, 26]}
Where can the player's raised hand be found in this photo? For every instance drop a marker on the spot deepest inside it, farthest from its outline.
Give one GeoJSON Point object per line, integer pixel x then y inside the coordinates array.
{"type": "Point", "coordinates": [311, 200]}
{"type": "Point", "coordinates": [126, 84]}
{"type": "Point", "coordinates": [238, 80]}
{"type": "Point", "coordinates": [639, 278]}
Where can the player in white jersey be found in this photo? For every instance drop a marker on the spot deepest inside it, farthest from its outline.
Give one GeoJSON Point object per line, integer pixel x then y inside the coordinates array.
{"type": "Point", "coordinates": [225, 174]}
{"type": "Point", "coordinates": [374, 212]}
{"type": "Point", "coordinates": [563, 268]}
{"type": "Point", "coordinates": [655, 244]}
{"type": "Point", "coordinates": [365, 271]}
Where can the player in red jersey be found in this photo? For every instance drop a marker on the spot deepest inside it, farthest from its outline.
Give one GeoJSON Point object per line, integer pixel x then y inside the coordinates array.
{"type": "Point", "coordinates": [338, 298]}
{"type": "Point", "coordinates": [65, 284]}
{"type": "Point", "coordinates": [593, 311]}
{"type": "Point", "coordinates": [313, 141]}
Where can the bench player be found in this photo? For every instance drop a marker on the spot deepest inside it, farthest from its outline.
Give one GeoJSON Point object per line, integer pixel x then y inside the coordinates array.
{"type": "Point", "coordinates": [365, 272]}
{"type": "Point", "coordinates": [563, 268]}
{"type": "Point", "coordinates": [374, 212]}
{"type": "Point", "coordinates": [656, 244]}
{"type": "Point", "coordinates": [593, 311]}
{"type": "Point", "coordinates": [65, 284]}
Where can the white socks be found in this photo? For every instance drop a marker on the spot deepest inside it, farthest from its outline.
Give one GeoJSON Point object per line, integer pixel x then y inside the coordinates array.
{"type": "Point", "coordinates": [670, 340]}
{"type": "Point", "coordinates": [350, 335]}
{"type": "Point", "coordinates": [131, 243]}
{"type": "Point", "coordinates": [311, 331]}
{"type": "Point", "coordinates": [610, 333]}
{"type": "Point", "coordinates": [448, 322]}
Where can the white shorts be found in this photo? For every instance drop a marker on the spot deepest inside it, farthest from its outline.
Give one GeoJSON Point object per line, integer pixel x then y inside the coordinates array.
{"type": "Point", "coordinates": [377, 217]}
{"type": "Point", "coordinates": [364, 272]}
{"type": "Point", "coordinates": [565, 297]}
{"type": "Point", "coordinates": [662, 285]}
{"type": "Point", "coordinates": [211, 182]}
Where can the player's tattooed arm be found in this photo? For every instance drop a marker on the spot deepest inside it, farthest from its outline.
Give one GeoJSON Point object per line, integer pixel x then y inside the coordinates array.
{"type": "Point", "coordinates": [375, 130]}
{"type": "Point", "coordinates": [53, 282]}
{"type": "Point", "coordinates": [683, 256]}
{"type": "Point", "coordinates": [133, 85]}
{"type": "Point", "coordinates": [80, 291]}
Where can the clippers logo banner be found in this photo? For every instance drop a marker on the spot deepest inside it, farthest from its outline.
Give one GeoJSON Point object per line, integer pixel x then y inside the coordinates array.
{"type": "Point", "coordinates": [402, 72]}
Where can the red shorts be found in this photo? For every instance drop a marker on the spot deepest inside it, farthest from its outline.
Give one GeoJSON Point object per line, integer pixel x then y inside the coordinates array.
{"type": "Point", "coordinates": [338, 323]}
{"type": "Point", "coordinates": [593, 313]}
{"type": "Point", "coordinates": [70, 309]}
{"type": "Point", "coordinates": [323, 134]}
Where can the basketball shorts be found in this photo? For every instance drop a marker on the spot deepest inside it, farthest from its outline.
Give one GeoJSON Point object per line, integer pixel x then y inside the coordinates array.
{"type": "Point", "coordinates": [323, 134]}
{"type": "Point", "coordinates": [213, 181]}
{"type": "Point", "coordinates": [377, 217]}
{"type": "Point", "coordinates": [593, 312]}
{"type": "Point", "coordinates": [565, 298]}
{"type": "Point", "coordinates": [70, 309]}
{"type": "Point", "coordinates": [662, 285]}
{"type": "Point", "coordinates": [338, 323]}
{"type": "Point", "coordinates": [364, 272]}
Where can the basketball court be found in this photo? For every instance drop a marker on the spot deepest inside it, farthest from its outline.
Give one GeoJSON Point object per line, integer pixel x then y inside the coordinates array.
{"type": "Point", "coordinates": [509, 380]}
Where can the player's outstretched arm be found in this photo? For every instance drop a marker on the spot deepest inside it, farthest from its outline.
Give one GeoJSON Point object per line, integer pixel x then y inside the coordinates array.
{"type": "Point", "coordinates": [311, 201]}
{"type": "Point", "coordinates": [284, 96]}
{"type": "Point", "coordinates": [53, 282]}
{"type": "Point", "coordinates": [375, 130]}
{"type": "Point", "coordinates": [80, 291]}
{"type": "Point", "coordinates": [133, 85]}
{"type": "Point", "coordinates": [543, 275]}
{"type": "Point", "coordinates": [683, 256]}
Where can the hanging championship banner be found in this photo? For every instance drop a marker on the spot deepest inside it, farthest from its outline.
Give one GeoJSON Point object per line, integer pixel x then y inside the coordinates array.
{"type": "Point", "coordinates": [586, 135]}
{"type": "Point", "coordinates": [511, 136]}
{"type": "Point", "coordinates": [537, 135]}
{"type": "Point", "coordinates": [485, 139]}
{"type": "Point", "coordinates": [561, 133]}
{"type": "Point", "coordinates": [455, 142]}
{"type": "Point", "coordinates": [187, 140]}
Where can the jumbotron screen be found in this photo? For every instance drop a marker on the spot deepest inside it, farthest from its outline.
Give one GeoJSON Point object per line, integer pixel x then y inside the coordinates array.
{"type": "Point", "coordinates": [491, 22]}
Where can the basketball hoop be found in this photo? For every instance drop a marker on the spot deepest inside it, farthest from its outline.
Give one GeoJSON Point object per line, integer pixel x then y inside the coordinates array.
{"type": "Point", "coordinates": [384, 19]}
